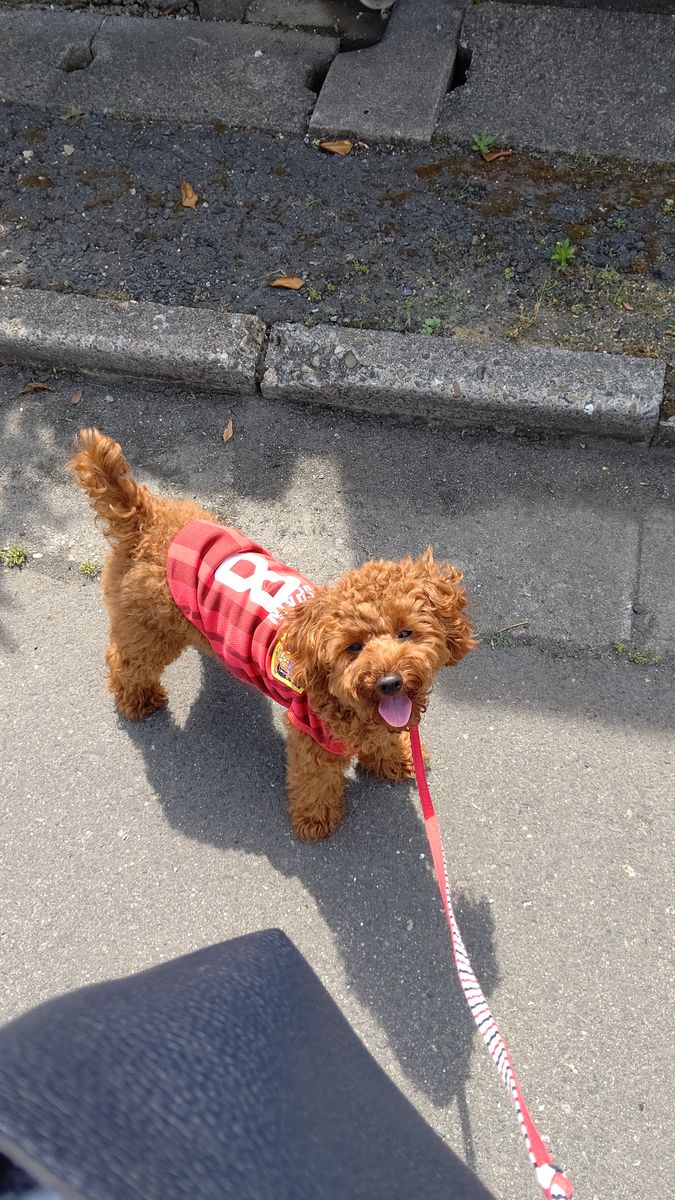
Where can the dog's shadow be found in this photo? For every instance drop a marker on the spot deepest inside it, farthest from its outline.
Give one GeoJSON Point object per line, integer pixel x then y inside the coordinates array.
{"type": "Point", "coordinates": [220, 779]}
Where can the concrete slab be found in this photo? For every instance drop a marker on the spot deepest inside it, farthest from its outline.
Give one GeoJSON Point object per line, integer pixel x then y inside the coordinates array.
{"type": "Point", "coordinates": [149, 340]}
{"type": "Point", "coordinates": [634, 6]}
{"type": "Point", "coordinates": [393, 92]}
{"type": "Point", "coordinates": [35, 45]}
{"type": "Point", "coordinates": [244, 76]}
{"type": "Point", "coordinates": [553, 79]}
{"type": "Point", "coordinates": [464, 384]}
{"type": "Point", "coordinates": [241, 75]}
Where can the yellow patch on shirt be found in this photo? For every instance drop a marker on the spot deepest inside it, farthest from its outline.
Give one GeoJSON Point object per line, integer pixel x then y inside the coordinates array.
{"type": "Point", "coordinates": [282, 668]}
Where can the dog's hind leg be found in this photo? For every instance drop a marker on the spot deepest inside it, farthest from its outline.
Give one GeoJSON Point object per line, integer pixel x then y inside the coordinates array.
{"type": "Point", "coordinates": [135, 659]}
{"type": "Point", "coordinates": [147, 632]}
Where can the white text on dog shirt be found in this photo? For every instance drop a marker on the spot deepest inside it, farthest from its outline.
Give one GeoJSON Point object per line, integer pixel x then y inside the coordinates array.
{"type": "Point", "coordinates": [267, 589]}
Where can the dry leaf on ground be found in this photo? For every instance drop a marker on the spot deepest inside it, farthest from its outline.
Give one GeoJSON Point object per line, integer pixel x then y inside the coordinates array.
{"type": "Point", "coordinates": [228, 431]}
{"type": "Point", "coordinates": [188, 195]}
{"type": "Point", "coordinates": [289, 281]}
{"type": "Point", "coordinates": [492, 155]}
{"type": "Point", "coordinates": [341, 146]}
{"type": "Point", "coordinates": [76, 396]}
{"type": "Point", "coordinates": [36, 386]}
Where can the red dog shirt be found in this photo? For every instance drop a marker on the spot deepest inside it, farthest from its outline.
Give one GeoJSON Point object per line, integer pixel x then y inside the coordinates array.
{"type": "Point", "coordinates": [233, 592]}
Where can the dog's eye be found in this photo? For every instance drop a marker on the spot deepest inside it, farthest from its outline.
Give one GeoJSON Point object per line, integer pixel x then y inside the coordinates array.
{"type": "Point", "coordinates": [355, 647]}
{"type": "Point", "coordinates": [405, 633]}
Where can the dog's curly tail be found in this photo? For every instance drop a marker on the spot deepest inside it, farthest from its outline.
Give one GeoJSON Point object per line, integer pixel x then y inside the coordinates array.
{"type": "Point", "coordinates": [102, 471]}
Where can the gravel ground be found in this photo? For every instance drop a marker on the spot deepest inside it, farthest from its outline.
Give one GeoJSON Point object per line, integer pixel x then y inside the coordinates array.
{"type": "Point", "coordinates": [417, 240]}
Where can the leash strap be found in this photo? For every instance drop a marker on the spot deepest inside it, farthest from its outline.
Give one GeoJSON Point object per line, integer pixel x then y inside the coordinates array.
{"type": "Point", "coordinates": [553, 1183]}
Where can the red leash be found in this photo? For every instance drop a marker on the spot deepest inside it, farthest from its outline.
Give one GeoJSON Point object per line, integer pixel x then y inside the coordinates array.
{"type": "Point", "coordinates": [553, 1183]}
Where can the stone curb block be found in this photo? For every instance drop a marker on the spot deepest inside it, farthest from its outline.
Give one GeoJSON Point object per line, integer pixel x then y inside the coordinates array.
{"type": "Point", "coordinates": [198, 346]}
{"type": "Point", "coordinates": [464, 385]}
{"type": "Point", "coordinates": [393, 92]}
{"type": "Point", "coordinates": [455, 383]}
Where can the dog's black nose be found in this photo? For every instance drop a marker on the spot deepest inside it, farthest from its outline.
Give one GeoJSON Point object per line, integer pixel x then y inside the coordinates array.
{"type": "Point", "coordinates": [389, 685]}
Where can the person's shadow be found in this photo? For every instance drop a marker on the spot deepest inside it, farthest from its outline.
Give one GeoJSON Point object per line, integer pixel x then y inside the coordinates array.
{"type": "Point", "coordinates": [220, 779]}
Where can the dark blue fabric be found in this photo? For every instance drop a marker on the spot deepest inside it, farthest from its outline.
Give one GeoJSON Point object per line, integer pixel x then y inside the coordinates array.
{"type": "Point", "coordinates": [227, 1073]}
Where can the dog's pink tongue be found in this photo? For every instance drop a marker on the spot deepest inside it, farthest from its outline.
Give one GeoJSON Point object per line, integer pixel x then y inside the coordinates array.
{"type": "Point", "coordinates": [395, 710]}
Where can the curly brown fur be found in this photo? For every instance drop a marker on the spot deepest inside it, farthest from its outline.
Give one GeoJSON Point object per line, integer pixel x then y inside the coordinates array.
{"type": "Point", "coordinates": [405, 618]}
{"type": "Point", "coordinates": [371, 607]}
{"type": "Point", "coordinates": [147, 630]}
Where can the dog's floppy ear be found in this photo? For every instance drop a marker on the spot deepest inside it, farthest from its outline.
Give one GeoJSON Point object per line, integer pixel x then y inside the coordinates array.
{"type": "Point", "coordinates": [303, 636]}
{"type": "Point", "coordinates": [443, 586]}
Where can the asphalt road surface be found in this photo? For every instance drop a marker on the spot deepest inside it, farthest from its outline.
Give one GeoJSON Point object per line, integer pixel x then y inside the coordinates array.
{"type": "Point", "coordinates": [552, 763]}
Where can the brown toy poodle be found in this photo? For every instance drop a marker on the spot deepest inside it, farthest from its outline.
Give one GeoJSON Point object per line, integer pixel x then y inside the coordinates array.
{"type": "Point", "coordinates": [353, 664]}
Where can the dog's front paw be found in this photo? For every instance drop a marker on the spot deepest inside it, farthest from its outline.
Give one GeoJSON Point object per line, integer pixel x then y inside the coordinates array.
{"type": "Point", "coordinates": [390, 759]}
{"type": "Point", "coordinates": [316, 822]}
{"type": "Point", "coordinates": [396, 768]}
{"type": "Point", "coordinates": [316, 805]}
{"type": "Point", "coordinates": [137, 703]}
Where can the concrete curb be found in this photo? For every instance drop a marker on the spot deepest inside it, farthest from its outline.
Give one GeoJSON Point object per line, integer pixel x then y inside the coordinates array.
{"type": "Point", "coordinates": [200, 346]}
{"type": "Point", "coordinates": [463, 384]}
{"type": "Point", "coordinates": [458, 384]}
